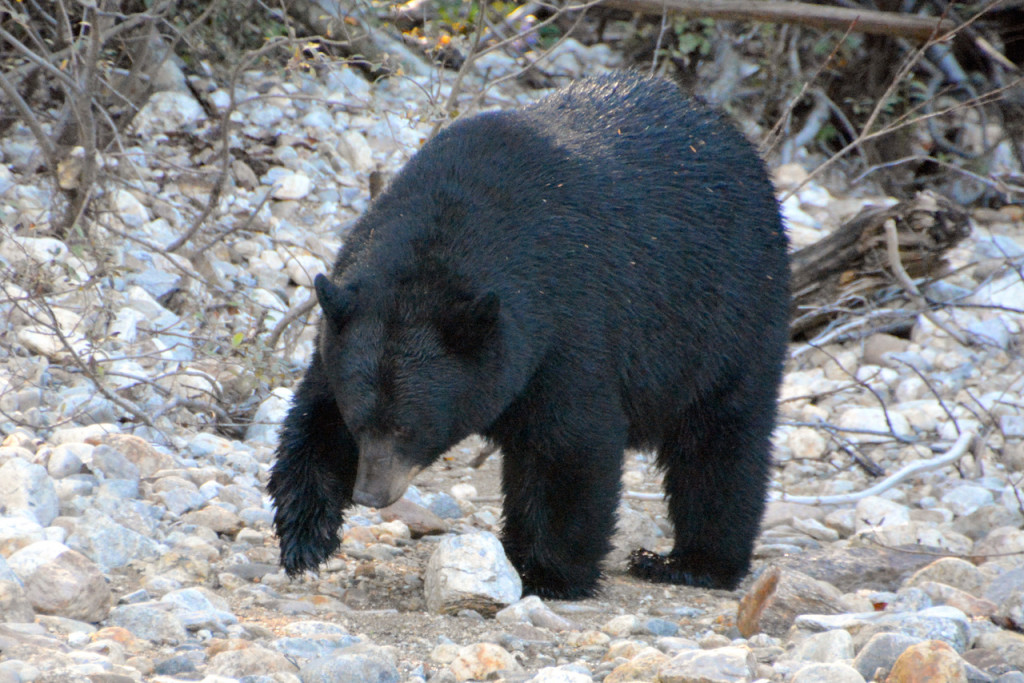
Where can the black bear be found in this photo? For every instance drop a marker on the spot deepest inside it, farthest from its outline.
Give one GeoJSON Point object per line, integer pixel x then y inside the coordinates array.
{"type": "Point", "coordinates": [604, 269]}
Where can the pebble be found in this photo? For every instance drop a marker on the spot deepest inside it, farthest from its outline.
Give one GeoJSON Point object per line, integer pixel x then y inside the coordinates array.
{"type": "Point", "coordinates": [481, 661]}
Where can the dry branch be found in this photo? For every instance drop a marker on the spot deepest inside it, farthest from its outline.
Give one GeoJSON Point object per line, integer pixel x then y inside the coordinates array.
{"type": "Point", "coordinates": [853, 261]}
{"type": "Point", "coordinates": [341, 23]}
{"type": "Point", "coordinates": [819, 16]}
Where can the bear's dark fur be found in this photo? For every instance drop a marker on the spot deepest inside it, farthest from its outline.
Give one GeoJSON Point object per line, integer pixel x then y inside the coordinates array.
{"type": "Point", "coordinates": [604, 269]}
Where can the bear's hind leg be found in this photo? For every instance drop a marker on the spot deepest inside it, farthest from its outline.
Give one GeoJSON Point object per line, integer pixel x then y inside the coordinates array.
{"type": "Point", "coordinates": [312, 480]}
{"type": "Point", "coordinates": [716, 465]}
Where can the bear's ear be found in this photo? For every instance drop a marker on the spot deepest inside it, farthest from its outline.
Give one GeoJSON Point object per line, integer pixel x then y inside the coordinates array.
{"type": "Point", "coordinates": [469, 323]}
{"type": "Point", "coordinates": [336, 301]}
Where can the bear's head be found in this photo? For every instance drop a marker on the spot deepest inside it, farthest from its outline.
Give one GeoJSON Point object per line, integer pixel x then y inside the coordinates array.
{"type": "Point", "coordinates": [413, 372]}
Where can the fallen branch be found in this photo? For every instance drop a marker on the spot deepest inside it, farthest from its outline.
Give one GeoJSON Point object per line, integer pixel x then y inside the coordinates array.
{"type": "Point", "coordinates": [958, 450]}
{"type": "Point", "coordinates": [853, 262]}
{"type": "Point", "coordinates": [893, 250]}
{"type": "Point", "coordinates": [818, 16]}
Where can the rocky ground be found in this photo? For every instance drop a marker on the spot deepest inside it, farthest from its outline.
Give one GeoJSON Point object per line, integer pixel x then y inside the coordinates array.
{"type": "Point", "coordinates": [141, 381]}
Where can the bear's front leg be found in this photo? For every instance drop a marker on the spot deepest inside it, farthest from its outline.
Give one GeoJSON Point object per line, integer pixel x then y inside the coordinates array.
{"type": "Point", "coordinates": [561, 476]}
{"type": "Point", "coordinates": [312, 480]}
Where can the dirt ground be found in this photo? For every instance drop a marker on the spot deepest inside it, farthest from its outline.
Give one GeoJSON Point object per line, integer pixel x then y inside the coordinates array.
{"type": "Point", "coordinates": [383, 598]}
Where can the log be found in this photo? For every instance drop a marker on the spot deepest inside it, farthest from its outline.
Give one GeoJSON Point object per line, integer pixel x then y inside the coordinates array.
{"type": "Point", "coordinates": [851, 264]}
{"type": "Point", "coordinates": [819, 16]}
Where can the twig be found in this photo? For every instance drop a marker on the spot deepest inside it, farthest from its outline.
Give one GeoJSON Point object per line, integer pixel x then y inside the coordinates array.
{"type": "Point", "coordinates": [293, 314]}
{"type": "Point", "coordinates": [955, 452]}
{"type": "Point", "coordinates": [958, 450]}
{"type": "Point", "coordinates": [892, 241]}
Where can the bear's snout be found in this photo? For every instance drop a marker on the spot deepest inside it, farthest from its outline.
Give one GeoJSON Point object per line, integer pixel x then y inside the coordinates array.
{"type": "Point", "coordinates": [382, 476]}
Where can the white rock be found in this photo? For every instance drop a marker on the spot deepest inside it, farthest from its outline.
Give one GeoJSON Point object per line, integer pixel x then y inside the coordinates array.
{"type": "Point", "coordinates": [67, 459]}
{"type": "Point", "coordinates": [478, 661]}
{"type": "Point", "coordinates": [1006, 291]}
{"type": "Point", "coordinates": [93, 432]}
{"type": "Point", "coordinates": [16, 533]}
{"type": "Point", "coordinates": [807, 443]}
{"type": "Point", "coordinates": [347, 85]}
{"type": "Point", "coordinates": [294, 185]}
{"type": "Point", "coordinates": [966, 498]}
{"type": "Point", "coordinates": [354, 148]}
{"type": "Point", "coordinates": [830, 646]}
{"type": "Point", "coordinates": [873, 420]}
{"type": "Point", "coordinates": [128, 209]}
{"type": "Point", "coordinates": [816, 529]}
{"type": "Point", "coordinates": [874, 512]}
{"type": "Point", "coordinates": [17, 249]}
{"type": "Point", "coordinates": [561, 674]}
{"type": "Point", "coordinates": [302, 268]}
{"type": "Point", "coordinates": [1012, 426]}
{"type": "Point", "coordinates": [45, 341]}
{"type": "Point", "coordinates": [919, 533]}
{"type": "Point", "coordinates": [718, 665]}
{"type": "Point", "coordinates": [835, 672]}
{"type": "Point", "coordinates": [27, 489]}
{"type": "Point", "coordinates": [470, 571]}
{"type": "Point", "coordinates": [167, 111]}
{"type": "Point", "coordinates": [269, 416]}
{"type": "Point", "coordinates": [464, 491]}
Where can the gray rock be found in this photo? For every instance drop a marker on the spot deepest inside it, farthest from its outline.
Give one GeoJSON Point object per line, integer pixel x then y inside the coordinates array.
{"type": "Point", "coordinates": [881, 651]}
{"type": "Point", "coordinates": [109, 544]}
{"type": "Point", "coordinates": [1005, 585]}
{"type": "Point", "coordinates": [14, 604]}
{"type": "Point", "coordinates": [250, 661]}
{"type": "Point", "coordinates": [658, 627]}
{"type": "Point", "coordinates": [18, 532]}
{"type": "Point", "coordinates": [199, 609]}
{"type": "Point", "coordinates": [114, 464]}
{"type": "Point", "coordinates": [151, 621]}
{"type": "Point", "coordinates": [470, 571]}
{"type": "Point", "coordinates": [943, 623]}
{"type": "Point", "coordinates": [61, 581]}
{"type": "Point", "coordinates": [1008, 644]}
{"type": "Point", "coordinates": [443, 505]}
{"type": "Point", "coordinates": [993, 331]}
{"type": "Point", "coordinates": [830, 646]}
{"type": "Point", "coordinates": [966, 498]}
{"type": "Point", "coordinates": [719, 665]}
{"type": "Point", "coordinates": [779, 596]}
{"type": "Point", "coordinates": [65, 460]}
{"type": "Point", "coordinates": [357, 664]}
{"type": "Point", "coordinates": [951, 571]}
{"type": "Point", "coordinates": [827, 673]}
{"type": "Point", "coordinates": [6, 573]}
{"type": "Point", "coordinates": [178, 501]}
{"type": "Point", "coordinates": [26, 488]}
{"type": "Point", "coordinates": [167, 111]}
{"type": "Point", "coordinates": [532, 610]}
{"type": "Point", "coordinates": [1011, 611]}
